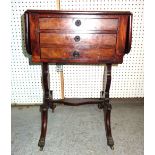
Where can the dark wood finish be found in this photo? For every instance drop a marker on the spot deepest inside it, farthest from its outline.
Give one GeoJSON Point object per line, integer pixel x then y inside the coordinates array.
{"type": "Point", "coordinates": [78, 101]}
{"type": "Point", "coordinates": [44, 117]}
{"type": "Point", "coordinates": [62, 12]}
{"type": "Point", "coordinates": [27, 33]}
{"type": "Point", "coordinates": [47, 102]}
{"type": "Point", "coordinates": [129, 35]}
{"type": "Point", "coordinates": [106, 104]}
{"type": "Point", "coordinates": [77, 37]}
{"type": "Point", "coordinates": [85, 23]}
{"type": "Point", "coordinates": [89, 40]}
{"type": "Point", "coordinates": [97, 31]}
{"type": "Point", "coordinates": [69, 53]}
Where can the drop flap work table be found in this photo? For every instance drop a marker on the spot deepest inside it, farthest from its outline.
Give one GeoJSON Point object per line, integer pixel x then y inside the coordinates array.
{"type": "Point", "coordinates": [77, 37]}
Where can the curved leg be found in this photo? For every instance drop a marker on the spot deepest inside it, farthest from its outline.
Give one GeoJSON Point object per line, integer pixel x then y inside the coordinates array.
{"type": "Point", "coordinates": [44, 118]}
{"type": "Point", "coordinates": [107, 113]}
{"type": "Point", "coordinates": [106, 105]}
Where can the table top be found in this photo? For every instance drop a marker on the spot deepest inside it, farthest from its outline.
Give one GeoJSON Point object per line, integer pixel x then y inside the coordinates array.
{"type": "Point", "coordinates": [81, 12]}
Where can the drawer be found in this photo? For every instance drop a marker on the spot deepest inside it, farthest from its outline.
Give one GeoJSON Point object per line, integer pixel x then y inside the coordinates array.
{"type": "Point", "coordinates": [69, 53]}
{"type": "Point", "coordinates": [78, 23]}
{"type": "Point", "coordinates": [74, 40]}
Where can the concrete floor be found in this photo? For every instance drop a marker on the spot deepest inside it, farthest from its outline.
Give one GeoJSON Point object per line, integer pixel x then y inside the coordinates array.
{"type": "Point", "coordinates": [80, 130]}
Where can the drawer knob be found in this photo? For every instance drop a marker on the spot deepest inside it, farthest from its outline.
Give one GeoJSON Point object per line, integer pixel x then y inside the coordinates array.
{"type": "Point", "coordinates": [76, 54]}
{"type": "Point", "coordinates": [77, 38]}
{"type": "Point", "coordinates": [78, 22]}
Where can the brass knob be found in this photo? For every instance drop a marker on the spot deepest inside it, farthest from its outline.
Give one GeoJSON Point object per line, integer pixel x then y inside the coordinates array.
{"type": "Point", "coordinates": [76, 54]}
{"type": "Point", "coordinates": [77, 38]}
{"type": "Point", "coordinates": [78, 22]}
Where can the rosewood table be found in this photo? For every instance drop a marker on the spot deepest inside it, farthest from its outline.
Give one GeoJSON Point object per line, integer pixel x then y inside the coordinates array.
{"type": "Point", "coordinates": [77, 37]}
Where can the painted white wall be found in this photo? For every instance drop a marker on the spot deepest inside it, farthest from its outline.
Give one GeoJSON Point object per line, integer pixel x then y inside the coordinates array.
{"type": "Point", "coordinates": [80, 81]}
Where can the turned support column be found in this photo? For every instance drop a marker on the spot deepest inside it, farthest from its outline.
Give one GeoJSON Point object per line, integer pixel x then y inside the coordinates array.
{"type": "Point", "coordinates": [47, 102]}
{"type": "Point", "coordinates": [106, 104]}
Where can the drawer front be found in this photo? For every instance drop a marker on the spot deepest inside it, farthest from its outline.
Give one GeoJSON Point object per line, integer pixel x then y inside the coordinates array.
{"type": "Point", "coordinates": [69, 53]}
{"type": "Point", "coordinates": [78, 23]}
{"type": "Point", "coordinates": [75, 40]}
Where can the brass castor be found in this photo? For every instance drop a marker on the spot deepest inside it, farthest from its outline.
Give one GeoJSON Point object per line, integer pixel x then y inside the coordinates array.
{"type": "Point", "coordinates": [41, 143]}
{"type": "Point", "coordinates": [112, 147]}
{"type": "Point", "coordinates": [110, 142]}
{"type": "Point", "coordinates": [41, 148]}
